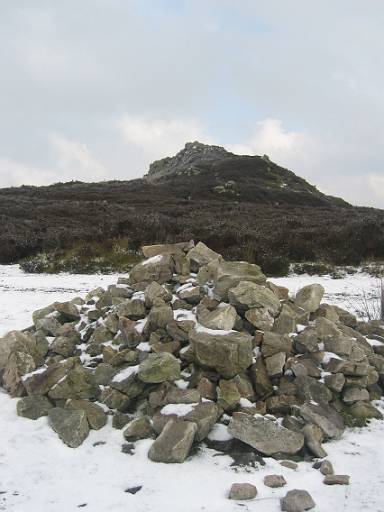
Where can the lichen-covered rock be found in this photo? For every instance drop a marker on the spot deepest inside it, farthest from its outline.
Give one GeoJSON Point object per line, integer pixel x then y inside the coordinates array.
{"type": "Point", "coordinates": [325, 417]}
{"type": "Point", "coordinates": [156, 291]}
{"type": "Point", "coordinates": [200, 256]}
{"type": "Point", "coordinates": [309, 297]}
{"type": "Point", "coordinates": [95, 414]}
{"type": "Point", "coordinates": [174, 442]}
{"type": "Point", "coordinates": [228, 274]}
{"type": "Point", "coordinates": [247, 295]}
{"type": "Point", "coordinates": [33, 406]}
{"type": "Point", "coordinates": [19, 364]}
{"type": "Point", "coordinates": [68, 310]}
{"type": "Point", "coordinates": [260, 318]}
{"type": "Point", "coordinates": [159, 268]}
{"type": "Point", "coordinates": [71, 426]}
{"type": "Point", "coordinates": [265, 435]}
{"type": "Point", "coordinates": [221, 318]}
{"type": "Point", "coordinates": [159, 368]}
{"type": "Point", "coordinates": [228, 353]}
{"type": "Point", "coordinates": [139, 428]}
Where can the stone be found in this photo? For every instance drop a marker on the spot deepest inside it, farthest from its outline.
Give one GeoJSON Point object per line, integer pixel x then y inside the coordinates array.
{"type": "Point", "coordinates": [49, 325]}
{"type": "Point", "coordinates": [336, 480]}
{"type": "Point", "coordinates": [335, 382]}
{"type": "Point", "coordinates": [33, 406]}
{"type": "Point", "coordinates": [68, 310]}
{"type": "Point", "coordinates": [204, 415]}
{"type": "Point", "coordinates": [355, 394]}
{"type": "Point", "coordinates": [65, 346]}
{"type": "Point", "coordinates": [309, 297]}
{"type": "Point", "coordinates": [275, 364]}
{"type": "Point", "coordinates": [325, 417]}
{"type": "Point", "coordinates": [273, 343]}
{"type": "Point", "coordinates": [139, 428]}
{"type": "Point", "coordinates": [221, 318]}
{"type": "Point", "coordinates": [174, 442]}
{"type": "Point", "coordinates": [19, 364]}
{"type": "Point", "coordinates": [289, 464]}
{"type": "Point", "coordinates": [159, 268]}
{"type": "Point", "coordinates": [341, 345]}
{"type": "Point", "coordinates": [228, 274]}
{"type": "Point", "coordinates": [313, 437]}
{"type": "Point", "coordinates": [265, 435]}
{"type": "Point", "coordinates": [155, 291]}
{"type": "Point", "coordinates": [192, 294]}
{"type": "Point", "coordinates": [43, 312]}
{"type": "Point", "coordinates": [159, 317]}
{"type": "Point", "coordinates": [228, 395]}
{"type": "Point", "coordinates": [364, 411]}
{"type": "Point", "coordinates": [309, 389]}
{"type": "Point", "coordinates": [104, 373]}
{"type": "Point", "coordinates": [240, 492]}
{"type": "Point", "coordinates": [17, 341]}
{"type": "Point", "coordinates": [159, 368]}
{"type": "Point", "coordinates": [201, 255]}
{"type": "Point", "coordinates": [153, 250]}
{"type": "Point", "coordinates": [285, 323]}
{"type": "Point", "coordinates": [247, 295]}
{"type": "Point", "coordinates": [71, 426]}
{"type": "Point", "coordinates": [274, 481]}
{"type": "Point", "coordinates": [326, 468]}
{"type": "Point", "coordinates": [260, 379]}
{"type": "Point", "coordinates": [182, 396]}
{"type": "Point", "coordinates": [297, 501]}
{"type": "Point", "coordinates": [95, 414]}
{"type": "Point", "coordinates": [120, 420]}
{"type": "Point", "coordinates": [260, 318]}
{"type": "Point", "coordinates": [228, 353]}
{"type": "Point", "coordinates": [307, 341]}
{"type": "Point", "coordinates": [77, 383]}
{"type": "Point", "coordinates": [134, 309]}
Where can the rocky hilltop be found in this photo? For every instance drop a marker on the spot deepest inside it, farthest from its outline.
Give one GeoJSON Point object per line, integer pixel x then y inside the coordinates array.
{"type": "Point", "coordinates": [193, 349]}
{"type": "Point", "coordinates": [244, 207]}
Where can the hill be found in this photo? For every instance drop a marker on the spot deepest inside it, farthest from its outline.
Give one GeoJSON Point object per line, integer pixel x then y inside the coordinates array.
{"type": "Point", "coordinates": [245, 207]}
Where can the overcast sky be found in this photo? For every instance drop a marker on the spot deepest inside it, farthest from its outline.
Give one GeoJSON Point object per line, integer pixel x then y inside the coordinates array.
{"type": "Point", "coordinates": [97, 89]}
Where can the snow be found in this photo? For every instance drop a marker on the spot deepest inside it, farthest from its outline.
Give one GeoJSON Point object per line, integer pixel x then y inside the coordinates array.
{"type": "Point", "coordinates": [178, 409]}
{"type": "Point", "coordinates": [219, 433]}
{"type": "Point", "coordinates": [126, 373]}
{"type": "Point", "coordinates": [153, 260]}
{"type": "Point", "coordinates": [184, 314]}
{"type": "Point", "coordinates": [39, 473]}
{"type": "Point", "coordinates": [212, 332]}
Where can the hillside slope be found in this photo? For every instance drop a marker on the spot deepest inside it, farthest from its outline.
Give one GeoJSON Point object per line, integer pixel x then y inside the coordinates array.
{"type": "Point", "coordinates": [243, 206]}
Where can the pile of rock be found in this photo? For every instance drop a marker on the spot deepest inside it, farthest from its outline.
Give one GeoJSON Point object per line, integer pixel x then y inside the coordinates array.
{"type": "Point", "coordinates": [192, 348]}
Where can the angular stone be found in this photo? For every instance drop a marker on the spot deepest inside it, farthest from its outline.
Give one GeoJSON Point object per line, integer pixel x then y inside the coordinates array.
{"type": "Point", "coordinates": [247, 295]}
{"type": "Point", "coordinates": [49, 325]}
{"type": "Point", "coordinates": [297, 501]}
{"type": "Point", "coordinates": [182, 396]}
{"type": "Point", "coordinates": [65, 346]}
{"type": "Point", "coordinates": [204, 415]}
{"type": "Point", "coordinates": [325, 417]}
{"type": "Point", "coordinates": [192, 294]}
{"type": "Point", "coordinates": [71, 426]}
{"type": "Point", "coordinates": [228, 353]}
{"type": "Point", "coordinates": [265, 435]}
{"type": "Point", "coordinates": [33, 406]}
{"type": "Point", "coordinates": [335, 382]}
{"type": "Point", "coordinates": [275, 364]}
{"type": "Point", "coordinates": [153, 250]}
{"type": "Point", "coordinates": [241, 492]}
{"type": "Point", "coordinates": [274, 343]}
{"type": "Point", "coordinates": [95, 414]}
{"type": "Point", "coordinates": [134, 309]}
{"type": "Point", "coordinates": [222, 318]}
{"type": "Point", "coordinates": [19, 364]}
{"type": "Point", "coordinates": [159, 317]}
{"type": "Point", "coordinates": [355, 394]}
{"type": "Point", "coordinates": [68, 310]}
{"type": "Point", "coordinates": [307, 341]}
{"type": "Point", "coordinates": [336, 480]}
{"type": "Point", "coordinates": [260, 318]}
{"type": "Point", "coordinates": [340, 345]}
{"type": "Point", "coordinates": [313, 437]}
{"type": "Point", "coordinates": [201, 255]}
{"type": "Point", "coordinates": [115, 399]}
{"type": "Point", "coordinates": [17, 341]}
{"type": "Point", "coordinates": [159, 268]}
{"type": "Point", "coordinates": [228, 395]}
{"type": "Point", "coordinates": [174, 442]}
{"type": "Point", "coordinates": [159, 368]}
{"type": "Point", "coordinates": [156, 291]}
{"type": "Point", "coordinates": [228, 274]}
{"type": "Point", "coordinates": [309, 297]}
{"type": "Point", "coordinates": [285, 323]}
{"type": "Point", "coordinates": [274, 481]}
{"type": "Point", "coordinates": [260, 379]}
{"type": "Point", "coordinates": [77, 383]}
{"type": "Point", "coordinates": [139, 428]}
{"type": "Point", "coordinates": [364, 411]}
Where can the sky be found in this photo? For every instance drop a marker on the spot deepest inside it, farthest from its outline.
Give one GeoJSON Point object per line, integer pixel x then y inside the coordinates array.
{"type": "Point", "coordinates": [96, 90]}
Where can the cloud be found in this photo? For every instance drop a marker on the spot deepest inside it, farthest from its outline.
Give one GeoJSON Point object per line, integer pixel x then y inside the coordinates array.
{"type": "Point", "coordinates": [15, 173]}
{"type": "Point", "coordinates": [75, 160]}
{"type": "Point", "coordinates": [158, 138]}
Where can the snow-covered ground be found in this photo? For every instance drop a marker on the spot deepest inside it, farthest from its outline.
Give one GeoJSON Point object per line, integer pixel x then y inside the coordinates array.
{"type": "Point", "coordinates": [38, 473]}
